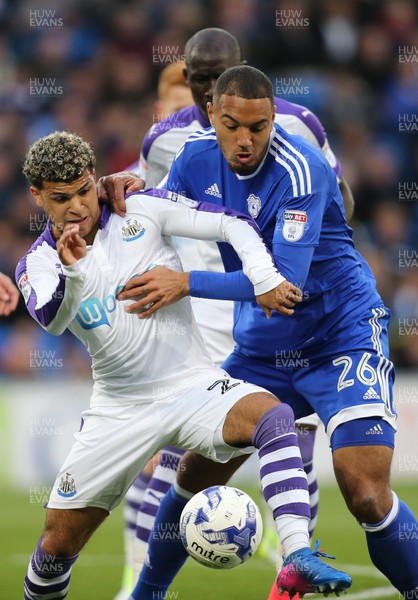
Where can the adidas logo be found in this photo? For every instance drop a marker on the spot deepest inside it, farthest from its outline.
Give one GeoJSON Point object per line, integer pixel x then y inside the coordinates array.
{"type": "Point", "coordinates": [371, 394]}
{"type": "Point", "coordinates": [213, 190]}
{"type": "Point", "coordinates": [375, 430]}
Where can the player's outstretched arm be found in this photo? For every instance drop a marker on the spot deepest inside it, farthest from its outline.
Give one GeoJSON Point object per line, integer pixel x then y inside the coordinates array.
{"type": "Point", "coordinates": [9, 295]}
{"type": "Point", "coordinates": [160, 287]}
{"type": "Point", "coordinates": [113, 188]}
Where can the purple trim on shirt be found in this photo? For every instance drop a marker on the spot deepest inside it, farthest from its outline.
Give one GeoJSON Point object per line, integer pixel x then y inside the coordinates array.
{"type": "Point", "coordinates": [179, 119]}
{"type": "Point", "coordinates": [105, 216]}
{"type": "Point", "coordinates": [46, 236]}
{"type": "Point", "coordinates": [46, 313]}
{"type": "Point", "coordinates": [311, 121]}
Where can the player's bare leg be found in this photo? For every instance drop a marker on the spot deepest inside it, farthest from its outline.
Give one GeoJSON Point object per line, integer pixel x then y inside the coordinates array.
{"type": "Point", "coordinates": [363, 474]}
{"type": "Point", "coordinates": [65, 534]}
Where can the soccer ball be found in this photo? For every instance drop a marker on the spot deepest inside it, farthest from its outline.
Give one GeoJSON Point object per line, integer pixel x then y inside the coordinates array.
{"type": "Point", "coordinates": [221, 527]}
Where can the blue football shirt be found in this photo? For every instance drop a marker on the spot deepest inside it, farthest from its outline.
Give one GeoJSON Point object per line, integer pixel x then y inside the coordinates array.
{"type": "Point", "coordinates": [295, 199]}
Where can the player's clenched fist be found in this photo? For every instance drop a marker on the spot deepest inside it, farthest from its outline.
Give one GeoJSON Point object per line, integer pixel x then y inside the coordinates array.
{"type": "Point", "coordinates": [283, 298]}
{"type": "Point", "coordinates": [71, 246]}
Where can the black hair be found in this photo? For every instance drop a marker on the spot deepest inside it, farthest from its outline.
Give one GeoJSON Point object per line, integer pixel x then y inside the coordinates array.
{"type": "Point", "coordinates": [245, 82]}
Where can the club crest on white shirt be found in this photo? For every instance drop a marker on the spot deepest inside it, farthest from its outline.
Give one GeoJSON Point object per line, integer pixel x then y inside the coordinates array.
{"type": "Point", "coordinates": [254, 205]}
{"type": "Point", "coordinates": [67, 487]}
{"type": "Point", "coordinates": [132, 230]}
{"type": "Point", "coordinates": [294, 224]}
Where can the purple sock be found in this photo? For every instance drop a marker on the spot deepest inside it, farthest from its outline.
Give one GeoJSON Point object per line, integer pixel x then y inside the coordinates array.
{"type": "Point", "coordinates": [133, 500]}
{"type": "Point", "coordinates": [47, 575]}
{"type": "Point", "coordinates": [163, 477]}
{"type": "Point", "coordinates": [283, 479]}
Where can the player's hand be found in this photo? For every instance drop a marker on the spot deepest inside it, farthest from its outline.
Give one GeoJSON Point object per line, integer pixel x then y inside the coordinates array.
{"type": "Point", "coordinates": [283, 298]}
{"type": "Point", "coordinates": [9, 295]}
{"type": "Point", "coordinates": [112, 189]}
{"type": "Point", "coordinates": [71, 246]}
{"type": "Point", "coordinates": [154, 289]}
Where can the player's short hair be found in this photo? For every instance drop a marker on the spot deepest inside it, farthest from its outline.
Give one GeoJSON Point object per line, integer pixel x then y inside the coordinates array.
{"type": "Point", "coordinates": [213, 41]}
{"type": "Point", "coordinates": [59, 156]}
{"type": "Point", "coordinates": [172, 74]}
{"type": "Point", "coordinates": [245, 82]}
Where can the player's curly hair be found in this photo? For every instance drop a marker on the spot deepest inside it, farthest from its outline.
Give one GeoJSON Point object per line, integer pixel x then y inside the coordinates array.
{"type": "Point", "coordinates": [59, 156]}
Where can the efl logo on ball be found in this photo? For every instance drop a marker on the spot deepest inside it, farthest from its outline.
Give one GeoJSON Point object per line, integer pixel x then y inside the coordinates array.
{"type": "Point", "coordinates": [221, 527]}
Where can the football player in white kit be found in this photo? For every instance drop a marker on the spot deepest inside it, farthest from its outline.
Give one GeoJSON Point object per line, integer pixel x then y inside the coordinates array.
{"type": "Point", "coordinates": [154, 382]}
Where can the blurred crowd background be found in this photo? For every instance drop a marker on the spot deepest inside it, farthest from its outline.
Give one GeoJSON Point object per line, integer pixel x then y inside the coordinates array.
{"type": "Point", "coordinates": [92, 67]}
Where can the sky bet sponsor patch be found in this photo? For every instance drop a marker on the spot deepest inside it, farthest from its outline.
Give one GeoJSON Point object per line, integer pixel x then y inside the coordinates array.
{"type": "Point", "coordinates": [25, 286]}
{"type": "Point", "coordinates": [294, 222]}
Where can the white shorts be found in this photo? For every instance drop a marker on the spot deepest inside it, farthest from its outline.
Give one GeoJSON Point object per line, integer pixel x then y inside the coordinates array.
{"type": "Point", "coordinates": [115, 442]}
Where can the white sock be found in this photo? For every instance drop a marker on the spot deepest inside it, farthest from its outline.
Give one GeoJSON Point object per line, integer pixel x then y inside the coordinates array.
{"type": "Point", "coordinates": [292, 538]}
{"type": "Point", "coordinates": [140, 553]}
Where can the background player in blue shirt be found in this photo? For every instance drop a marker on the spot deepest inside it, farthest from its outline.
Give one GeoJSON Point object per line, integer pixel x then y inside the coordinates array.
{"type": "Point", "coordinates": [339, 332]}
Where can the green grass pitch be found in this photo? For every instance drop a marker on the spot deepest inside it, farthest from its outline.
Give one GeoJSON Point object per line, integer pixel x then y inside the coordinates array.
{"type": "Point", "coordinates": [97, 573]}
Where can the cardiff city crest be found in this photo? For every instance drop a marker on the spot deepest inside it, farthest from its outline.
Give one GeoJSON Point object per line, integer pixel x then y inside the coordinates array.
{"type": "Point", "coordinates": [254, 205]}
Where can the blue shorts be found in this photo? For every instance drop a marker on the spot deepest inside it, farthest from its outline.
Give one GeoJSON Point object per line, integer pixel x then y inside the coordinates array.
{"type": "Point", "coordinates": [345, 377]}
{"type": "Point", "coordinates": [363, 432]}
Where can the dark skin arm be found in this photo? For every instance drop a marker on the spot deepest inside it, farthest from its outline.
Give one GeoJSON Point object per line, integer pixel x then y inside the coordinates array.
{"type": "Point", "coordinates": [160, 287]}
{"type": "Point", "coordinates": [348, 199]}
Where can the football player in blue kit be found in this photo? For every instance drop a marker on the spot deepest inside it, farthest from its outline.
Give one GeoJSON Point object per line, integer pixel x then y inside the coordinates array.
{"type": "Point", "coordinates": [208, 53]}
{"type": "Point", "coordinates": [339, 333]}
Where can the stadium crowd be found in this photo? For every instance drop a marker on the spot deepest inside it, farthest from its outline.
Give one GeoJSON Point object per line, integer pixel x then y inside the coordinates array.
{"type": "Point", "coordinates": [92, 68]}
